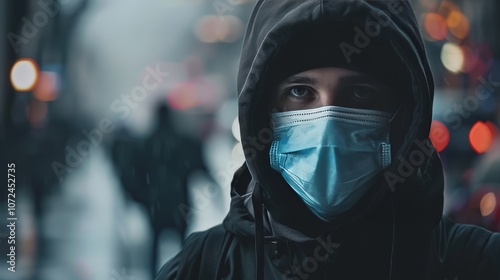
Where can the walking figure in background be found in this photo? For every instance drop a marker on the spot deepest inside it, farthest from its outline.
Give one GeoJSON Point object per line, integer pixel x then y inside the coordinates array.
{"type": "Point", "coordinates": [155, 170]}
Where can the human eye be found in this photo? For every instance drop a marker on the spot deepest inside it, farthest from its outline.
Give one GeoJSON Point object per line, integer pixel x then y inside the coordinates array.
{"type": "Point", "coordinates": [295, 97]}
{"type": "Point", "coordinates": [363, 93]}
{"type": "Point", "coordinates": [299, 92]}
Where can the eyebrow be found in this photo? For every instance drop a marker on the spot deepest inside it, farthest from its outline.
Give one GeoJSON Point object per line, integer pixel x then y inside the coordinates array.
{"type": "Point", "coordinates": [349, 79]}
{"type": "Point", "coordinates": [299, 80]}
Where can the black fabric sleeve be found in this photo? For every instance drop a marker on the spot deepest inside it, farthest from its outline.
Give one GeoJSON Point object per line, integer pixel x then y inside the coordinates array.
{"type": "Point", "coordinates": [199, 258]}
{"type": "Point", "coordinates": [468, 252]}
{"type": "Point", "coordinates": [488, 266]}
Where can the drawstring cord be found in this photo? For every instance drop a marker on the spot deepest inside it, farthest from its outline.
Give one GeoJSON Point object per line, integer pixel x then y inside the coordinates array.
{"type": "Point", "coordinates": [259, 232]}
{"type": "Point", "coordinates": [393, 235]}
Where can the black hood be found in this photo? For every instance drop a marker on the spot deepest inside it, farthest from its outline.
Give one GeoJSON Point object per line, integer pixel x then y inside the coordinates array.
{"type": "Point", "coordinates": [395, 53]}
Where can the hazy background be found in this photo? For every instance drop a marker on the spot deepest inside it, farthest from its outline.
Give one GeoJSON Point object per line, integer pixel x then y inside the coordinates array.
{"type": "Point", "coordinates": [120, 118]}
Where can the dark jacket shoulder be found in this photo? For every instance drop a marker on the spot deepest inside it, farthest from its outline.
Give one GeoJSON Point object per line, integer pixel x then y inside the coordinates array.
{"type": "Point", "coordinates": [199, 256]}
{"type": "Point", "coordinates": [466, 251]}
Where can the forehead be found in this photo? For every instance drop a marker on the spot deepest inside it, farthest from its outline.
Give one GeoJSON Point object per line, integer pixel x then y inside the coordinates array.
{"type": "Point", "coordinates": [329, 74]}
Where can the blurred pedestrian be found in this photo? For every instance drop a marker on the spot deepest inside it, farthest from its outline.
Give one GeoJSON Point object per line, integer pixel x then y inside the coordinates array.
{"type": "Point", "coordinates": [155, 172]}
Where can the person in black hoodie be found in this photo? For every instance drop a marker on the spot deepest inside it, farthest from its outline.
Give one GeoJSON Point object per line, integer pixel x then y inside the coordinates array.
{"type": "Point", "coordinates": [340, 179]}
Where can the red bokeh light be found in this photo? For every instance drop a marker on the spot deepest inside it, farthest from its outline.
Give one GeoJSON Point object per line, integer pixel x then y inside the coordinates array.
{"type": "Point", "coordinates": [480, 137]}
{"type": "Point", "coordinates": [439, 135]}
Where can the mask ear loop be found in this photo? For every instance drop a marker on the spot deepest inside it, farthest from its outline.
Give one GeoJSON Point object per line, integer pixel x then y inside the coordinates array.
{"type": "Point", "coordinates": [395, 142]}
{"type": "Point", "coordinates": [393, 208]}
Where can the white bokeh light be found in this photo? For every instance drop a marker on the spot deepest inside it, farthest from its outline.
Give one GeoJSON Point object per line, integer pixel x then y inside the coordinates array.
{"type": "Point", "coordinates": [235, 129]}
{"type": "Point", "coordinates": [24, 75]}
{"type": "Point", "coordinates": [452, 57]}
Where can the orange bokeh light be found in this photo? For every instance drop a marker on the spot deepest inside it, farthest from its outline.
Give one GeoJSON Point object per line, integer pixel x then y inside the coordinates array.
{"type": "Point", "coordinates": [458, 24]}
{"type": "Point", "coordinates": [480, 137]}
{"type": "Point", "coordinates": [213, 29]}
{"type": "Point", "coordinates": [435, 26]}
{"type": "Point", "coordinates": [488, 204]}
{"type": "Point", "coordinates": [47, 87]}
{"type": "Point", "coordinates": [183, 96]}
{"type": "Point", "coordinates": [439, 135]}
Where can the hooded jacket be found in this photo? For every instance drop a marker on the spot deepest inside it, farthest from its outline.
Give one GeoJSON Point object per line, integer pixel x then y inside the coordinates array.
{"type": "Point", "coordinates": [396, 230]}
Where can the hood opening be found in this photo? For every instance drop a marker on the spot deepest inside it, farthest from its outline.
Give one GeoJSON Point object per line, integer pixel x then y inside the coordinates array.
{"type": "Point", "coordinates": [268, 55]}
{"type": "Point", "coordinates": [285, 60]}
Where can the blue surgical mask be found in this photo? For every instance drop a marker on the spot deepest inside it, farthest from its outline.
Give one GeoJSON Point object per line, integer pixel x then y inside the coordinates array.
{"type": "Point", "coordinates": [330, 155]}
